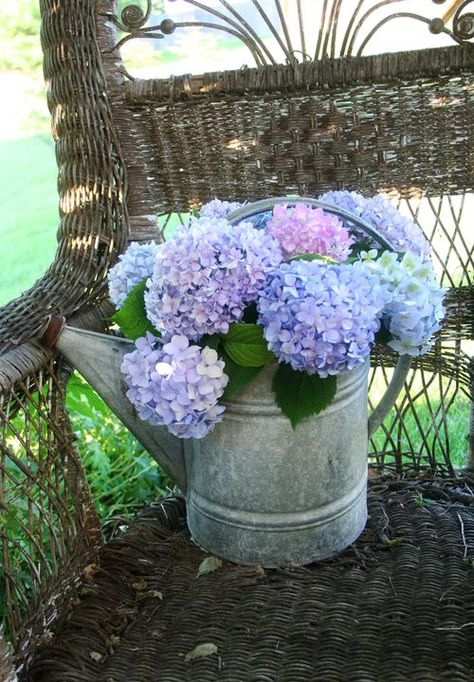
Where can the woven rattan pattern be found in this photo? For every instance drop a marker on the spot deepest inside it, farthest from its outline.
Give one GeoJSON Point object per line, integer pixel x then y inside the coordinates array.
{"type": "Point", "coordinates": [306, 129]}
{"type": "Point", "coordinates": [6, 671]}
{"type": "Point", "coordinates": [93, 228]}
{"type": "Point", "coordinates": [397, 606]}
{"type": "Point", "coordinates": [49, 523]}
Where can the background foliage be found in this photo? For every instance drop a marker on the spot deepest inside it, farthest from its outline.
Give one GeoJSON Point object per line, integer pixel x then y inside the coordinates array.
{"type": "Point", "coordinates": [19, 28]}
{"type": "Point", "coordinates": [122, 476]}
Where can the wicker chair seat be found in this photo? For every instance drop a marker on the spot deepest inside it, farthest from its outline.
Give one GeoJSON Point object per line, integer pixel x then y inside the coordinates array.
{"type": "Point", "coordinates": [398, 605]}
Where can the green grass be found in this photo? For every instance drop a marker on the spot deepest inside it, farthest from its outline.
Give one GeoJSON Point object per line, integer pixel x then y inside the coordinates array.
{"type": "Point", "coordinates": [121, 474]}
{"type": "Point", "coordinates": [28, 212]}
{"type": "Point", "coordinates": [457, 424]}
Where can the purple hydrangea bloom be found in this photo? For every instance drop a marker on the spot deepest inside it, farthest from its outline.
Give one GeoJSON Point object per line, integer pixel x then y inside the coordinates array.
{"type": "Point", "coordinates": [380, 213]}
{"type": "Point", "coordinates": [133, 266]}
{"type": "Point", "coordinates": [175, 385]}
{"type": "Point", "coordinates": [321, 318]}
{"type": "Point", "coordinates": [415, 309]}
{"type": "Point", "coordinates": [206, 275]}
{"type": "Point", "coordinates": [218, 209]}
{"type": "Point", "coordinates": [304, 229]}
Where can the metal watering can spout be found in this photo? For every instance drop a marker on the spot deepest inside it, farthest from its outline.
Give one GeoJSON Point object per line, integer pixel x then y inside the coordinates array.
{"type": "Point", "coordinates": [98, 358]}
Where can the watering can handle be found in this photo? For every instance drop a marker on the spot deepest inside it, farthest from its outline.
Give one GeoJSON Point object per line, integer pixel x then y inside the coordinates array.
{"type": "Point", "coordinates": [403, 364]}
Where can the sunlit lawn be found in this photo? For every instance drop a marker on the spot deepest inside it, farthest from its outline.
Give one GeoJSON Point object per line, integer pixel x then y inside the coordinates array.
{"type": "Point", "coordinates": [28, 212]}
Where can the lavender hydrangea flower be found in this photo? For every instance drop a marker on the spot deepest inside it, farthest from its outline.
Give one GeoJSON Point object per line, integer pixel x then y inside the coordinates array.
{"type": "Point", "coordinates": [218, 209]}
{"type": "Point", "coordinates": [380, 213]}
{"type": "Point", "coordinates": [415, 309]}
{"type": "Point", "coordinates": [321, 318]}
{"type": "Point", "coordinates": [206, 275]}
{"type": "Point", "coordinates": [133, 266]}
{"type": "Point", "coordinates": [175, 385]}
{"type": "Point", "coordinates": [304, 229]}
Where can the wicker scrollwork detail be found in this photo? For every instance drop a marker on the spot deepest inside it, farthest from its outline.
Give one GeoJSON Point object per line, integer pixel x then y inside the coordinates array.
{"type": "Point", "coordinates": [133, 16]}
{"type": "Point", "coordinates": [133, 23]}
{"type": "Point", "coordinates": [463, 24]}
{"type": "Point", "coordinates": [297, 30]}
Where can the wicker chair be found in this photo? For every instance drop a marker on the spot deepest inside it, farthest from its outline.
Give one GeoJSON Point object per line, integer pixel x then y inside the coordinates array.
{"type": "Point", "coordinates": [397, 605]}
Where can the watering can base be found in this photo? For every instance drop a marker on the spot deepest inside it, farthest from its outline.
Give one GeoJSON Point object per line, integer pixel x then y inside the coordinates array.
{"type": "Point", "coordinates": [276, 547]}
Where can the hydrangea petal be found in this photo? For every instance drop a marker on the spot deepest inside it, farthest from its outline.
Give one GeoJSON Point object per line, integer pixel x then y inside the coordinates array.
{"type": "Point", "coordinates": [330, 345]}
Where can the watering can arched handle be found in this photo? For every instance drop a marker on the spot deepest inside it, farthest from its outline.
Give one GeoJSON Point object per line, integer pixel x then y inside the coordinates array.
{"type": "Point", "coordinates": [403, 364]}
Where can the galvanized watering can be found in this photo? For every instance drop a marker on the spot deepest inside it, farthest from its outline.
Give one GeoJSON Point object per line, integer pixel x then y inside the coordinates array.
{"type": "Point", "coordinates": [257, 491]}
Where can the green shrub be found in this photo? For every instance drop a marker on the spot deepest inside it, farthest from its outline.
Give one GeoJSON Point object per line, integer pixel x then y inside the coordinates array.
{"type": "Point", "coordinates": [122, 476]}
{"type": "Point", "coordinates": [19, 33]}
{"type": "Point", "coordinates": [20, 18]}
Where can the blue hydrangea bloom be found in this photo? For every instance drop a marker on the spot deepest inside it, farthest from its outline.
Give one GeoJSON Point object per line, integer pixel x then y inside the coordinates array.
{"type": "Point", "coordinates": [206, 275]}
{"type": "Point", "coordinates": [133, 266]}
{"type": "Point", "coordinates": [380, 213]}
{"type": "Point", "coordinates": [175, 385]}
{"type": "Point", "coordinates": [321, 318]}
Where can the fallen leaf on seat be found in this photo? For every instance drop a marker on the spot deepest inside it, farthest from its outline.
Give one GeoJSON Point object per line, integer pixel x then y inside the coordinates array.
{"type": "Point", "coordinates": [95, 656]}
{"type": "Point", "coordinates": [201, 651]}
{"type": "Point", "coordinates": [150, 594]}
{"type": "Point", "coordinates": [47, 637]}
{"type": "Point", "coordinates": [89, 572]}
{"type": "Point", "coordinates": [209, 565]}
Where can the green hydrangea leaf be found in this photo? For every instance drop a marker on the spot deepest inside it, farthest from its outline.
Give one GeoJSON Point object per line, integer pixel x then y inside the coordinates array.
{"type": "Point", "coordinates": [131, 318]}
{"type": "Point", "coordinates": [239, 376]}
{"type": "Point", "coordinates": [301, 395]}
{"type": "Point", "coordinates": [383, 336]}
{"type": "Point", "coordinates": [246, 346]}
{"type": "Point", "coordinates": [213, 342]}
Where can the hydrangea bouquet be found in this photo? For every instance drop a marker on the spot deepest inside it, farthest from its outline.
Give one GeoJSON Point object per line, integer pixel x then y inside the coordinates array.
{"type": "Point", "coordinates": [300, 286]}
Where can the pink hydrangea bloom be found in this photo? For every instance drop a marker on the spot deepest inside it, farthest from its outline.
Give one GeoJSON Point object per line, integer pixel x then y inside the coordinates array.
{"type": "Point", "coordinates": [303, 229]}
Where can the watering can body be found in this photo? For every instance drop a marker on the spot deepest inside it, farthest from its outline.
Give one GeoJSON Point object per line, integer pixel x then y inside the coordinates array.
{"type": "Point", "coordinates": [258, 492]}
